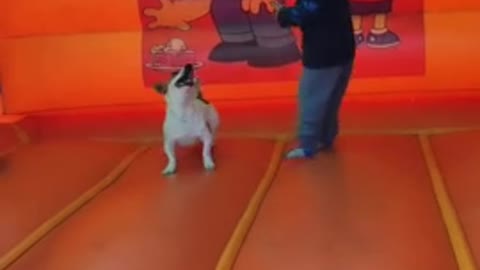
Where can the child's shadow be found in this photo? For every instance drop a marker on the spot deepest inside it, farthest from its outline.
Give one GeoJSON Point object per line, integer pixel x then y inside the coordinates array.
{"type": "Point", "coordinates": [3, 164]}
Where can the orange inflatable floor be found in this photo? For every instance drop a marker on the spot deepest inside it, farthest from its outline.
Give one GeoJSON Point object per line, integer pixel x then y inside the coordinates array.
{"type": "Point", "coordinates": [83, 190]}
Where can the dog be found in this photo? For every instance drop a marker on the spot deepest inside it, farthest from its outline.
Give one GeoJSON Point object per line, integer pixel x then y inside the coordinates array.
{"type": "Point", "coordinates": [189, 117]}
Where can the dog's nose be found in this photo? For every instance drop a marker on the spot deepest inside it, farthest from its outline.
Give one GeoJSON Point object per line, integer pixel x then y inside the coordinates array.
{"type": "Point", "coordinates": [188, 66]}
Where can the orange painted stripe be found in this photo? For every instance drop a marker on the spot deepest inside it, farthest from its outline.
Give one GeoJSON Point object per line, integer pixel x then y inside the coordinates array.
{"type": "Point", "coordinates": [456, 234]}
{"type": "Point", "coordinates": [233, 246]}
{"type": "Point", "coordinates": [40, 232]}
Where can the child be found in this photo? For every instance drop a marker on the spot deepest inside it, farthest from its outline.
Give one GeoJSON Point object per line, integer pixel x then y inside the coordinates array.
{"type": "Point", "coordinates": [328, 53]}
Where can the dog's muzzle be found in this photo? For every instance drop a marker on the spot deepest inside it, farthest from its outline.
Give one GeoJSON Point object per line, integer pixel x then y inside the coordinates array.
{"type": "Point", "coordinates": [187, 77]}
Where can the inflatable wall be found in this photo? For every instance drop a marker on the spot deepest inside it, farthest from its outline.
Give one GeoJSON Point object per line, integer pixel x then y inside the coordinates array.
{"type": "Point", "coordinates": [58, 54]}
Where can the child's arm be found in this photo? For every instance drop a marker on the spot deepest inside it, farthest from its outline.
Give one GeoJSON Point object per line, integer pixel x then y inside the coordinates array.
{"type": "Point", "coordinates": [300, 14]}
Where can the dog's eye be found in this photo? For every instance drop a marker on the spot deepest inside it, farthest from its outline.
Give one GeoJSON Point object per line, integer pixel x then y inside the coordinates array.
{"type": "Point", "coordinates": [180, 84]}
{"type": "Point", "coordinates": [183, 83]}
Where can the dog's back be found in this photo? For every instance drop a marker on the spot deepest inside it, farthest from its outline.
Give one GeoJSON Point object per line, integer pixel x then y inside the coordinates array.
{"type": "Point", "coordinates": [212, 117]}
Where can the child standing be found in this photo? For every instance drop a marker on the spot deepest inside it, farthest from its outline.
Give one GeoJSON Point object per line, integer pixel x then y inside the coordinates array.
{"type": "Point", "coordinates": [328, 53]}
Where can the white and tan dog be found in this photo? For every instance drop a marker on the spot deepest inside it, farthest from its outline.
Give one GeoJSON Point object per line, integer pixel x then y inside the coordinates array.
{"type": "Point", "coordinates": [189, 118]}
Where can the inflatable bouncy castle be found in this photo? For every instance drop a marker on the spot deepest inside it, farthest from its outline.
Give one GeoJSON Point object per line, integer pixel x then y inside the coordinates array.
{"type": "Point", "coordinates": [81, 156]}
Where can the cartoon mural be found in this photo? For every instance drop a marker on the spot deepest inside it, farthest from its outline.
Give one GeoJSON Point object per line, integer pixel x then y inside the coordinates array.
{"type": "Point", "coordinates": [251, 34]}
{"type": "Point", "coordinates": [233, 36]}
{"type": "Point", "coordinates": [247, 29]}
{"type": "Point", "coordinates": [380, 36]}
{"type": "Point", "coordinates": [174, 13]}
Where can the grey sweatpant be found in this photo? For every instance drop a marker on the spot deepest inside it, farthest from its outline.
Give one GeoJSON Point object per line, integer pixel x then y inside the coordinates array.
{"type": "Point", "coordinates": [320, 96]}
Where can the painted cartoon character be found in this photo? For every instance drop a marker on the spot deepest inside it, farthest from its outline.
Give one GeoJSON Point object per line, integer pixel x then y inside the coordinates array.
{"type": "Point", "coordinates": [247, 29]}
{"type": "Point", "coordinates": [251, 34]}
{"type": "Point", "coordinates": [380, 36]}
{"type": "Point", "coordinates": [177, 13]}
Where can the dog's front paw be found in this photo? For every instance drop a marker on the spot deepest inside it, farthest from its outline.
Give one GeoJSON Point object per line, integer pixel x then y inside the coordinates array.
{"type": "Point", "coordinates": [170, 169]}
{"type": "Point", "coordinates": [208, 164]}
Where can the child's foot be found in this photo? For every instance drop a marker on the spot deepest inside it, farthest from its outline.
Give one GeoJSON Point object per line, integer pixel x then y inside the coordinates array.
{"type": "Point", "coordinates": [300, 153]}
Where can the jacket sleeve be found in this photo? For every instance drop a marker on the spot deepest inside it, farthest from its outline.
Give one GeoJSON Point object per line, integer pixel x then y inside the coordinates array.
{"type": "Point", "coordinates": [300, 14]}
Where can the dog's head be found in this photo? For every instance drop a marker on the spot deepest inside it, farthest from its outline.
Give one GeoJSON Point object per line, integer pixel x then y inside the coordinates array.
{"type": "Point", "coordinates": [182, 85]}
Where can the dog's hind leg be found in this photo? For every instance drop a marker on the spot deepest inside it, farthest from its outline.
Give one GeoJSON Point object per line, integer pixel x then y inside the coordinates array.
{"type": "Point", "coordinates": [213, 121]}
{"type": "Point", "coordinates": [169, 149]}
{"type": "Point", "coordinates": [208, 162]}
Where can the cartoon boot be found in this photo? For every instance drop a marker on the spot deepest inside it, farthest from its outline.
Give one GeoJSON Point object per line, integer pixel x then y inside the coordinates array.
{"type": "Point", "coordinates": [380, 36]}
{"type": "Point", "coordinates": [254, 38]}
{"type": "Point", "coordinates": [357, 29]}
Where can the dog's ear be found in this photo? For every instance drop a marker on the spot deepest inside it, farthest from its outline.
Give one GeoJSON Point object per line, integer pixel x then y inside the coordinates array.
{"type": "Point", "coordinates": [174, 73]}
{"type": "Point", "coordinates": [160, 88]}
